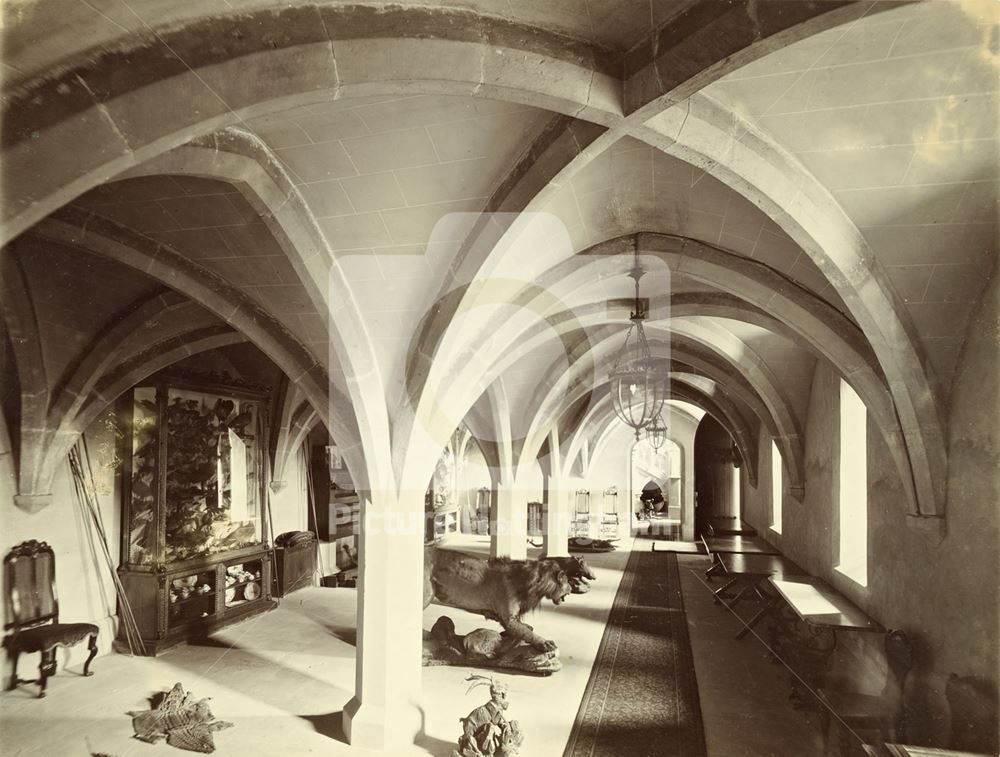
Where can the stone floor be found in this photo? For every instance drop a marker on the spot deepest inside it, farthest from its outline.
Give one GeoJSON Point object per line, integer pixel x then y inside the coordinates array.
{"type": "Point", "coordinates": [284, 677]}
{"type": "Point", "coordinates": [744, 696]}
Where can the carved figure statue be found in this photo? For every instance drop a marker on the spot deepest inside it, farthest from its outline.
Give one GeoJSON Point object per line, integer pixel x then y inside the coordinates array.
{"type": "Point", "coordinates": [487, 648]}
{"type": "Point", "coordinates": [486, 732]}
{"type": "Point", "coordinates": [499, 589]}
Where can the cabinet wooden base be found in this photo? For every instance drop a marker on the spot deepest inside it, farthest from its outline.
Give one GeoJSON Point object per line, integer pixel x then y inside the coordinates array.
{"type": "Point", "coordinates": [198, 630]}
{"type": "Point", "coordinates": [191, 600]}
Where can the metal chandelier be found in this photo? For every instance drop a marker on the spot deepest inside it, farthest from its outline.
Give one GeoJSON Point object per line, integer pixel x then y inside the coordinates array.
{"type": "Point", "coordinates": [638, 386]}
{"type": "Point", "coordinates": [656, 432]}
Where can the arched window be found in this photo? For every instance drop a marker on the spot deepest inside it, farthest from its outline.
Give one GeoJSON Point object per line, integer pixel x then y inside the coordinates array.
{"type": "Point", "coordinates": [777, 487]}
{"type": "Point", "coordinates": [852, 495]}
{"type": "Point", "coordinates": [737, 497]}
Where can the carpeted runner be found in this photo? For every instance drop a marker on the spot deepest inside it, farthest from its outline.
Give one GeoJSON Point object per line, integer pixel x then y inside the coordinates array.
{"type": "Point", "coordinates": [642, 697]}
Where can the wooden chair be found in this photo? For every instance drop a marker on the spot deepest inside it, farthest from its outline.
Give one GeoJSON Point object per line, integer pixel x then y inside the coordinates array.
{"type": "Point", "coordinates": [32, 611]}
{"type": "Point", "coordinates": [581, 516]}
{"type": "Point", "coordinates": [609, 514]}
{"type": "Point", "coordinates": [881, 713]}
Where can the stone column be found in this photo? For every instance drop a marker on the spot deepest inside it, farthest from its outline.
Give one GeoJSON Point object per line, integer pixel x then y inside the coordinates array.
{"type": "Point", "coordinates": [556, 519]}
{"type": "Point", "coordinates": [509, 523]}
{"type": "Point", "coordinates": [687, 487]}
{"type": "Point", "coordinates": [385, 713]}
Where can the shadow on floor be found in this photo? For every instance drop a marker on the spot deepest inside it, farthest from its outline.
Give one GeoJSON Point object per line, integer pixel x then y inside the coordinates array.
{"type": "Point", "coordinates": [330, 725]}
{"type": "Point", "coordinates": [433, 745]}
{"type": "Point", "coordinates": [241, 673]}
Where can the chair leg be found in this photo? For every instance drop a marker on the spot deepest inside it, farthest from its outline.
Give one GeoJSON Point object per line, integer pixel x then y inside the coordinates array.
{"type": "Point", "coordinates": [888, 733]}
{"type": "Point", "coordinates": [722, 589]}
{"type": "Point", "coordinates": [46, 668]}
{"type": "Point", "coordinates": [13, 654]}
{"type": "Point", "coordinates": [92, 646]}
{"type": "Point", "coordinates": [829, 733]}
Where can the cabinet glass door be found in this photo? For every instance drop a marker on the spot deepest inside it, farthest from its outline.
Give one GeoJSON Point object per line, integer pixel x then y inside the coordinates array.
{"type": "Point", "coordinates": [212, 474]}
{"type": "Point", "coordinates": [142, 521]}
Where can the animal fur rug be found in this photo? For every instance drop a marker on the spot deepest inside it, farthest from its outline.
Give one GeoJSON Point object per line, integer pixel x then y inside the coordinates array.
{"type": "Point", "coordinates": [183, 721]}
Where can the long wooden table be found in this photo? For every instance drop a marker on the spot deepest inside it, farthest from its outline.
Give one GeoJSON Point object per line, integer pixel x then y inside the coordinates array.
{"type": "Point", "coordinates": [730, 527]}
{"type": "Point", "coordinates": [818, 604]}
{"type": "Point", "coordinates": [752, 571]}
{"type": "Point", "coordinates": [742, 545]}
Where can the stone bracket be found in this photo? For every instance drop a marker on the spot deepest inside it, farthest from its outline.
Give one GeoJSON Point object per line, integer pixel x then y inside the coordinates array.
{"type": "Point", "coordinates": [32, 503]}
{"type": "Point", "coordinates": [934, 528]}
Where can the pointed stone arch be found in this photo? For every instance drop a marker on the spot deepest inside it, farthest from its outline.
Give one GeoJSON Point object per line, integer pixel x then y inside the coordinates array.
{"type": "Point", "coordinates": [92, 234]}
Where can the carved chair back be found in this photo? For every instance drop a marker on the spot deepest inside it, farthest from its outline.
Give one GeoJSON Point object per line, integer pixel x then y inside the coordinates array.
{"type": "Point", "coordinates": [30, 597]}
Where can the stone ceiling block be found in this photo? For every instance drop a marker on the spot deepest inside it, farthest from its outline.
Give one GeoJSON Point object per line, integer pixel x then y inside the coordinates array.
{"type": "Point", "coordinates": [326, 199]}
{"type": "Point", "coordinates": [385, 152]}
{"type": "Point", "coordinates": [369, 192]}
{"type": "Point", "coordinates": [328, 160]}
{"type": "Point", "coordinates": [356, 231]}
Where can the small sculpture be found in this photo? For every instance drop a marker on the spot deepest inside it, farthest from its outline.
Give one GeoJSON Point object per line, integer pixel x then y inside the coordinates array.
{"type": "Point", "coordinates": [486, 732]}
{"type": "Point", "coordinates": [186, 723]}
{"type": "Point", "coordinates": [486, 648]}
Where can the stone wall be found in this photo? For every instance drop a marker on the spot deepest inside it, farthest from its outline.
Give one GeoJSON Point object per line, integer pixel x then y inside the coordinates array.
{"type": "Point", "coordinates": [83, 579]}
{"type": "Point", "coordinates": [938, 585]}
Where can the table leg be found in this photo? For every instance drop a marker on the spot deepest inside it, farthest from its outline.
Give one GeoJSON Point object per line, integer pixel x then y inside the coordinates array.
{"type": "Point", "coordinates": [768, 604]}
{"type": "Point", "coordinates": [739, 595]}
{"type": "Point", "coordinates": [715, 567]}
{"type": "Point", "coordinates": [721, 590]}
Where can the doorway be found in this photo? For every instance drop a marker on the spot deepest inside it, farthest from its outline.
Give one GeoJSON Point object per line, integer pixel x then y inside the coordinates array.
{"type": "Point", "coordinates": [656, 490]}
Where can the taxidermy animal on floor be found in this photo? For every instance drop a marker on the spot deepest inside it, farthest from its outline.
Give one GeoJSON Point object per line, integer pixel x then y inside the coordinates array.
{"type": "Point", "coordinates": [485, 648]}
{"type": "Point", "coordinates": [497, 588]}
{"type": "Point", "coordinates": [186, 723]}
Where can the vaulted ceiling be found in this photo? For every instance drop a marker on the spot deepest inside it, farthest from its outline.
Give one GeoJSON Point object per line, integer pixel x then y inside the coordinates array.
{"type": "Point", "coordinates": [432, 208]}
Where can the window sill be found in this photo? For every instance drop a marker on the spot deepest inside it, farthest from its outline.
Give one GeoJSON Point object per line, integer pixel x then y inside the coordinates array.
{"type": "Point", "coordinates": [858, 576]}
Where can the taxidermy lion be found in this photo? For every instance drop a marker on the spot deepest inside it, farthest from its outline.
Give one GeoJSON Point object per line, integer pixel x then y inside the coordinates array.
{"type": "Point", "coordinates": [497, 588]}
{"type": "Point", "coordinates": [577, 571]}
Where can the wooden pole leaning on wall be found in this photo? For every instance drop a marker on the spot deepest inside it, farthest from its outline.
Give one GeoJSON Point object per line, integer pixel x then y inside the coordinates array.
{"type": "Point", "coordinates": [85, 486]}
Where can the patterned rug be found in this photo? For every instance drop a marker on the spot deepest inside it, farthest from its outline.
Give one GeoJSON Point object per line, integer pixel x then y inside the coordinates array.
{"type": "Point", "coordinates": [642, 697]}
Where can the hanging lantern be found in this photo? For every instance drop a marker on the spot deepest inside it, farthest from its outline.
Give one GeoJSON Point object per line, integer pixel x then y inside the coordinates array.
{"type": "Point", "coordinates": [638, 385]}
{"type": "Point", "coordinates": [656, 432]}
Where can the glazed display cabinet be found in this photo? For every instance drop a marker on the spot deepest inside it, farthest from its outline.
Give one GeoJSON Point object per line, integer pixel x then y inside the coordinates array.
{"type": "Point", "coordinates": [195, 553]}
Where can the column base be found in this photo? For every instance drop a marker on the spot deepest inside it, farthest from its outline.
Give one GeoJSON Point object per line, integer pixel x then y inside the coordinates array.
{"type": "Point", "coordinates": [32, 503]}
{"type": "Point", "coordinates": [515, 549]}
{"type": "Point", "coordinates": [390, 728]}
{"type": "Point", "coordinates": [556, 547]}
